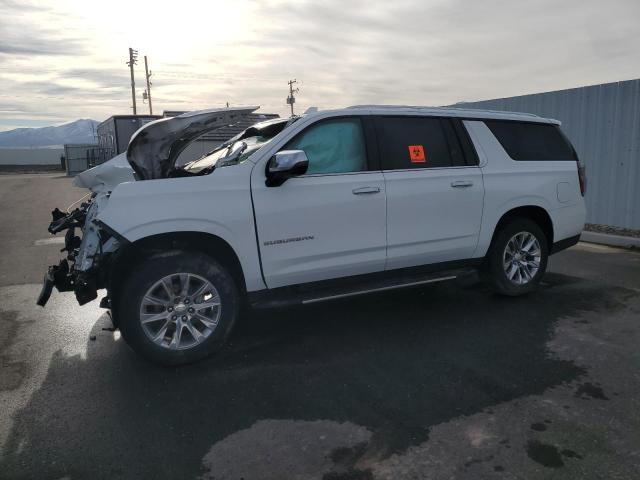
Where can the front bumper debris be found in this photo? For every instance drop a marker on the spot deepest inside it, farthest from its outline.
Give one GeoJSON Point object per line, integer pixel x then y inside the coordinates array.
{"type": "Point", "coordinates": [82, 270]}
{"type": "Point", "coordinates": [56, 276]}
{"type": "Point", "coordinates": [47, 287]}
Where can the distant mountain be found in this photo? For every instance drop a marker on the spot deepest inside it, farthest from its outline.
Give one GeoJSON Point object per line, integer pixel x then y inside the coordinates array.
{"type": "Point", "coordinates": [80, 131]}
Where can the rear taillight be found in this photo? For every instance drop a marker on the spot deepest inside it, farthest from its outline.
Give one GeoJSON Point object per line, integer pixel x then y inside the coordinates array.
{"type": "Point", "coordinates": [582, 178]}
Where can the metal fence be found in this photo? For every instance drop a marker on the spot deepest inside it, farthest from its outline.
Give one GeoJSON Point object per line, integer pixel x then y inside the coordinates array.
{"type": "Point", "coordinates": [603, 123]}
{"type": "Point", "coordinates": [80, 157]}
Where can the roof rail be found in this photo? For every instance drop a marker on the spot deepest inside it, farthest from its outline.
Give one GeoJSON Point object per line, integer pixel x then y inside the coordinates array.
{"type": "Point", "coordinates": [486, 110]}
{"type": "Point", "coordinates": [474, 111]}
{"type": "Point", "coordinates": [416, 107]}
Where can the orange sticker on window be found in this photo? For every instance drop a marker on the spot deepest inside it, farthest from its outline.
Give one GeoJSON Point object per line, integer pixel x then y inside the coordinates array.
{"type": "Point", "coordinates": [416, 154]}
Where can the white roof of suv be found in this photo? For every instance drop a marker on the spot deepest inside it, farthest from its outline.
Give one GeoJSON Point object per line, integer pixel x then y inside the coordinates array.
{"type": "Point", "coordinates": [468, 113]}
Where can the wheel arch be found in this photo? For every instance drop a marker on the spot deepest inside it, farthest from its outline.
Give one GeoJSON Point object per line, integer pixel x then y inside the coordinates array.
{"type": "Point", "coordinates": [132, 254]}
{"type": "Point", "coordinates": [532, 212]}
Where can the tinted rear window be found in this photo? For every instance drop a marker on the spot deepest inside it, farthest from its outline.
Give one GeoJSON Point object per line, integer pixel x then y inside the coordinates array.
{"type": "Point", "coordinates": [416, 142]}
{"type": "Point", "coordinates": [531, 141]}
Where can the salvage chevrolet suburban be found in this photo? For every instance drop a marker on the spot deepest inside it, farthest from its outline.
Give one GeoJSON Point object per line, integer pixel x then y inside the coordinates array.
{"type": "Point", "coordinates": [327, 205]}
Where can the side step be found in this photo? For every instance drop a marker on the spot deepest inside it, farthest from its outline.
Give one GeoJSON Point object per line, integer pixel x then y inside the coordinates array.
{"type": "Point", "coordinates": [343, 288]}
{"type": "Point", "coordinates": [378, 289]}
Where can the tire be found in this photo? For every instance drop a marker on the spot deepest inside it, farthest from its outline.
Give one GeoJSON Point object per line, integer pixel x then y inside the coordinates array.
{"type": "Point", "coordinates": [516, 275]}
{"type": "Point", "coordinates": [203, 326]}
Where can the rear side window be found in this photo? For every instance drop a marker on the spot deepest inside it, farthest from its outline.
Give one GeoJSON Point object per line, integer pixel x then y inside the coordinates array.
{"type": "Point", "coordinates": [531, 141]}
{"type": "Point", "coordinates": [417, 142]}
{"type": "Point", "coordinates": [333, 146]}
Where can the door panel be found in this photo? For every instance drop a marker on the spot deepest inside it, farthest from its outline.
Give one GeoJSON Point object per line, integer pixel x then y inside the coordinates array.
{"type": "Point", "coordinates": [434, 191]}
{"type": "Point", "coordinates": [330, 222]}
{"type": "Point", "coordinates": [433, 215]}
{"type": "Point", "coordinates": [319, 227]}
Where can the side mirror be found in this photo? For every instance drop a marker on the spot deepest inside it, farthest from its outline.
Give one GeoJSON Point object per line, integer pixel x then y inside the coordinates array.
{"type": "Point", "coordinates": [284, 165]}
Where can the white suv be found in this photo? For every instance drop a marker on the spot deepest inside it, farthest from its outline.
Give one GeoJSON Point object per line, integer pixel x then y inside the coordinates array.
{"type": "Point", "coordinates": [323, 206]}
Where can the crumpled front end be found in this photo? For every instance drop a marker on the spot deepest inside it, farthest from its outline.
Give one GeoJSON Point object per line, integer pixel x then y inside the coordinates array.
{"type": "Point", "coordinates": [85, 268]}
{"type": "Point", "coordinates": [106, 176]}
{"type": "Point", "coordinates": [90, 245]}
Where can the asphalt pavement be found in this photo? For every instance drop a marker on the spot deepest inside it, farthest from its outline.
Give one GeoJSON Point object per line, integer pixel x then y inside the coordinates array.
{"type": "Point", "coordinates": [444, 381]}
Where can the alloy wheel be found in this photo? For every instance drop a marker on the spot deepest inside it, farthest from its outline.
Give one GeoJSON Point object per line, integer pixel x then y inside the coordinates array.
{"type": "Point", "coordinates": [521, 258]}
{"type": "Point", "coordinates": [180, 311]}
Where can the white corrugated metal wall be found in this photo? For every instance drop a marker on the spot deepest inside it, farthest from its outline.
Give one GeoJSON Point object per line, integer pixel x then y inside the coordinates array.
{"type": "Point", "coordinates": [603, 123]}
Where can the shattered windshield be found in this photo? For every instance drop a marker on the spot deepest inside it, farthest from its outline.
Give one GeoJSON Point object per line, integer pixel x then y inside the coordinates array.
{"type": "Point", "coordinates": [225, 155]}
{"type": "Point", "coordinates": [235, 150]}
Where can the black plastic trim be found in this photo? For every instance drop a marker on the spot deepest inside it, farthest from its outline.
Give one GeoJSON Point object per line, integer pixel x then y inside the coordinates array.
{"type": "Point", "coordinates": [564, 244]}
{"type": "Point", "coordinates": [371, 144]}
{"type": "Point", "coordinates": [255, 229]}
{"type": "Point", "coordinates": [470, 153]}
{"type": "Point", "coordinates": [297, 294]}
{"type": "Point", "coordinates": [453, 142]}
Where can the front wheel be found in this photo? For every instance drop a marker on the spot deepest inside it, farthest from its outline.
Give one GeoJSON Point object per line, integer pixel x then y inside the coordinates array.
{"type": "Point", "coordinates": [178, 307]}
{"type": "Point", "coordinates": [517, 258]}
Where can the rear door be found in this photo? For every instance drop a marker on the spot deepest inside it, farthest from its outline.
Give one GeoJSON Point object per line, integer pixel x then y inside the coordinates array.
{"type": "Point", "coordinates": [329, 222]}
{"type": "Point", "coordinates": [434, 190]}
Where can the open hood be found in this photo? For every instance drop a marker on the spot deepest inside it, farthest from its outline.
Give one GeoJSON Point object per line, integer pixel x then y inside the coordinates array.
{"type": "Point", "coordinates": [105, 176]}
{"type": "Point", "coordinates": [155, 147]}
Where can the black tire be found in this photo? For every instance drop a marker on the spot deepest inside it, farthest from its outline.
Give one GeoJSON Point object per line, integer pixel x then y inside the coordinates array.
{"type": "Point", "coordinates": [496, 275]}
{"type": "Point", "coordinates": [153, 269]}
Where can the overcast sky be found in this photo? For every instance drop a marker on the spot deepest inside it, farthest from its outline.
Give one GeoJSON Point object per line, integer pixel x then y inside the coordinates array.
{"type": "Point", "coordinates": [65, 59]}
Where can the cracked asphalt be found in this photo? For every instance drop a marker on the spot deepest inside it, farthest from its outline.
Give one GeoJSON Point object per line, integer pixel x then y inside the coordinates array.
{"type": "Point", "coordinates": [439, 382]}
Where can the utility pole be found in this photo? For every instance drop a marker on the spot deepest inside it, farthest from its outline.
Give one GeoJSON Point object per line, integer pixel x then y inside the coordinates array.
{"type": "Point", "coordinates": [291, 99]}
{"type": "Point", "coordinates": [147, 93]}
{"type": "Point", "coordinates": [133, 60]}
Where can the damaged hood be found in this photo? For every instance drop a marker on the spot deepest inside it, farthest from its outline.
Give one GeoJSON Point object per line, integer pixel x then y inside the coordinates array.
{"type": "Point", "coordinates": [155, 147]}
{"type": "Point", "coordinates": [105, 177]}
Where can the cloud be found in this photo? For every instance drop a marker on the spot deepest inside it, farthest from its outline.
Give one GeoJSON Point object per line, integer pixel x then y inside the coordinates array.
{"type": "Point", "coordinates": [14, 7]}
{"type": "Point", "coordinates": [105, 77]}
{"type": "Point", "coordinates": [429, 52]}
{"type": "Point", "coordinates": [20, 47]}
{"type": "Point", "coordinates": [27, 29]}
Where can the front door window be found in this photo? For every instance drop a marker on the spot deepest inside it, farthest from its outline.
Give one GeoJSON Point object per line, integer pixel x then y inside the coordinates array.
{"type": "Point", "coordinates": [334, 146]}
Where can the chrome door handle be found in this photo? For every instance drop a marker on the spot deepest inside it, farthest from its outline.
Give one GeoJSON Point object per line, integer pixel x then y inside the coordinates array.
{"type": "Point", "coordinates": [462, 184]}
{"type": "Point", "coordinates": [365, 190]}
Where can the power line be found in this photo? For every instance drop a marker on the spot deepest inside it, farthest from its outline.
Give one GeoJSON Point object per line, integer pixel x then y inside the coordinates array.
{"type": "Point", "coordinates": [291, 99]}
{"type": "Point", "coordinates": [147, 92]}
{"type": "Point", "coordinates": [133, 60]}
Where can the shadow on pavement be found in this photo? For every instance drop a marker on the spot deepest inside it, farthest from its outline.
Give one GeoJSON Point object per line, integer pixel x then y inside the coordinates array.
{"type": "Point", "coordinates": [396, 364]}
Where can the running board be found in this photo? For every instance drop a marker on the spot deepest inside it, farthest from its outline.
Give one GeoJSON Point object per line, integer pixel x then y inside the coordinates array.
{"type": "Point", "coordinates": [316, 292]}
{"type": "Point", "coordinates": [379, 289]}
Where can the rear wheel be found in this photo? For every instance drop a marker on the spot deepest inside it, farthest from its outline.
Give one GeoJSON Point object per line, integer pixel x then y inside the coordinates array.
{"type": "Point", "coordinates": [517, 258]}
{"type": "Point", "coordinates": [178, 307]}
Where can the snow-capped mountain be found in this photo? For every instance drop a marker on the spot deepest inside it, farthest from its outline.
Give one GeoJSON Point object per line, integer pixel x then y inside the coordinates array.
{"type": "Point", "coordinates": [80, 131]}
